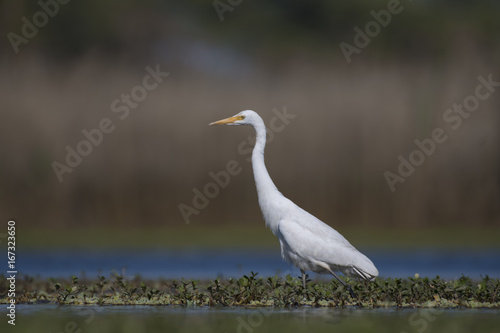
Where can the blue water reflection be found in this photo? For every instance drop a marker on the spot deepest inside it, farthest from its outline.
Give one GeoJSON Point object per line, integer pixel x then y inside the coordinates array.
{"type": "Point", "coordinates": [210, 264]}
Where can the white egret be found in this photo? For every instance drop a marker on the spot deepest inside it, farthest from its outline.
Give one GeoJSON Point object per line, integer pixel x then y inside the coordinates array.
{"type": "Point", "coordinates": [305, 241]}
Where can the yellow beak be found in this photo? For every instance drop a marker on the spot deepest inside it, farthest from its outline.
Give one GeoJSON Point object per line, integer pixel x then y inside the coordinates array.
{"type": "Point", "coordinates": [229, 120]}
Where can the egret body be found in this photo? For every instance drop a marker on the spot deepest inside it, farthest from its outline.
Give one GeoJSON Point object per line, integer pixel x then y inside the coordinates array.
{"type": "Point", "coordinates": [305, 241]}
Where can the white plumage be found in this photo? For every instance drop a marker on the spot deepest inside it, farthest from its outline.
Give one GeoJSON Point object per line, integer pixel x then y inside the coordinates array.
{"type": "Point", "coordinates": [307, 242]}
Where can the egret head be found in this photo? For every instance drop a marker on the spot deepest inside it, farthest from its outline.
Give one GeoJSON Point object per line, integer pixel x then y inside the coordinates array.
{"type": "Point", "coordinates": [246, 117]}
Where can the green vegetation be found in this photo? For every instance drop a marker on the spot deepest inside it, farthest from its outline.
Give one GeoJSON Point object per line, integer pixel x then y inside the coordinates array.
{"type": "Point", "coordinates": [283, 27]}
{"type": "Point", "coordinates": [254, 291]}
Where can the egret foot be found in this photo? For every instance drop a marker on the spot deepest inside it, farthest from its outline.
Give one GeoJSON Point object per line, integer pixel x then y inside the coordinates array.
{"type": "Point", "coordinates": [351, 292]}
{"type": "Point", "coordinates": [353, 295]}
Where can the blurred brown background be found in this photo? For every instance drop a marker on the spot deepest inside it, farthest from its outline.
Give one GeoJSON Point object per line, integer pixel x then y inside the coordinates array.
{"type": "Point", "coordinates": [352, 120]}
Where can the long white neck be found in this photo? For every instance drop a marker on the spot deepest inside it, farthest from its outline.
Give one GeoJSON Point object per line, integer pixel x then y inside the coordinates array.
{"type": "Point", "coordinates": [263, 181]}
{"type": "Point", "coordinates": [265, 186]}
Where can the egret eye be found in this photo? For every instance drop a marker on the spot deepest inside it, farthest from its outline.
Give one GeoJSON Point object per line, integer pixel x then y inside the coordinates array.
{"type": "Point", "coordinates": [241, 117]}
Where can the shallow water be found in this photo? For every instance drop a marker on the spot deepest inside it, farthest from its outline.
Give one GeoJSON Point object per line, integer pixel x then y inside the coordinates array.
{"type": "Point", "coordinates": [203, 264]}
{"type": "Point", "coordinates": [83, 311]}
{"type": "Point", "coordinates": [52, 318]}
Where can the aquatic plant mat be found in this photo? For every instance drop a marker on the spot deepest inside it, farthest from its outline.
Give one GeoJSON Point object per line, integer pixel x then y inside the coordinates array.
{"type": "Point", "coordinates": [254, 291]}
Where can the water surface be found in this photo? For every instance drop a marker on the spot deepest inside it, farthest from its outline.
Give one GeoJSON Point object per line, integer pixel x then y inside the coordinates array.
{"type": "Point", "coordinates": [136, 319]}
{"type": "Point", "coordinates": [209, 264]}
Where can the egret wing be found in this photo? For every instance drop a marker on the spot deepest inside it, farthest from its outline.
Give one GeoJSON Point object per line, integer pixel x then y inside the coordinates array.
{"type": "Point", "coordinates": [311, 242]}
{"type": "Point", "coordinates": [315, 243]}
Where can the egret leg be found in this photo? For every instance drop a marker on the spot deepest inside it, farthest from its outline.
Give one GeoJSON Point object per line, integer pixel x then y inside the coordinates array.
{"type": "Point", "coordinates": [303, 278]}
{"type": "Point", "coordinates": [351, 292]}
